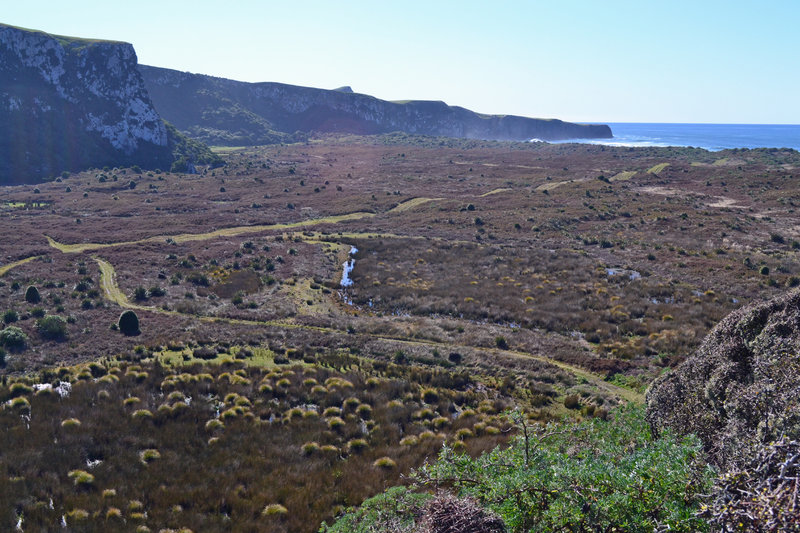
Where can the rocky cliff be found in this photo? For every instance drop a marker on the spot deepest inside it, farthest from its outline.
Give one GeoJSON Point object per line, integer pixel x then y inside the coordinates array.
{"type": "Point", "coordinates": [227, 112]}
{"type": "Point", "coordinates": [68, 103]}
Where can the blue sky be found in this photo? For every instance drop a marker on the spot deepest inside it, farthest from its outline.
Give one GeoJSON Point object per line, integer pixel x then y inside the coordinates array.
{"type": "Point", "coordinates": [710, 61]}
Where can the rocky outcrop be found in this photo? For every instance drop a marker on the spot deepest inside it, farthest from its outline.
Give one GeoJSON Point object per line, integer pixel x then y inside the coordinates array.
{"type": "Point", "coordinates": [222, 111]}
{"type": "Point", "coordinates": [68, 103]}
{"type": "Point", "coordinates": [741, 390]}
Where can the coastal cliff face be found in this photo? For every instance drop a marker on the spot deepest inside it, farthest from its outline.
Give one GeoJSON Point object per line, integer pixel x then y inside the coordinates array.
{"type": "Point", "coordinates": [222, 111]}
{"type": "Point", "coordinates": [69, 103]}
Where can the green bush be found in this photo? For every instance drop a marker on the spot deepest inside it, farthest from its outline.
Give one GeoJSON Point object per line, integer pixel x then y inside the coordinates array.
{"type": "Point", "coordinates": [10, 316]}
{"type": "Point", "coordinates": [602, 473]}
{"type": "Point", "coordinates": [128, 323]}
{"type": "Point", "coordinates": [52, 327]}
{"type": "Point", "coordinates": [593, 475]}
{"type": "Point", "coordinates": [32, 295]}
{"type": "Point", "coordinates": [13, 338]}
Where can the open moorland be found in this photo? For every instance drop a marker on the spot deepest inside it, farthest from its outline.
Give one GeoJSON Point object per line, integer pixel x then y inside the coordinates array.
{"type": "Point", "coordinates": [353, 293]}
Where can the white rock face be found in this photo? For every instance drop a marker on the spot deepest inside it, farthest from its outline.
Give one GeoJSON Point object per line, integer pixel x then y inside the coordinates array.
{"type": "Point", "coordinates": [100, 76]}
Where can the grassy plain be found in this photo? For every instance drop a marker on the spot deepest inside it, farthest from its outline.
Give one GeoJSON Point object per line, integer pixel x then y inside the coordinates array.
{"type": "Point", "coordinates": [558, 278]}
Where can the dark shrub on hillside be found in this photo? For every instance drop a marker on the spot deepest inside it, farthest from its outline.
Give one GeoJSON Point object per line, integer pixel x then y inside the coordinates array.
{"type": "Point", "coordinates": [13, 338]}
{"type": "Point", "coordinates": [740, 390]}
{"type": "Point", "coordinates": [128, 323]}
{"type": "Point", "coordinates": [10, 316]}
{"type": "Point", "coordinates": [52, 327]}
{"type": "Point", "coordinates": [32, 295]}
{"type": "Point", "coordinates": [204, 352]}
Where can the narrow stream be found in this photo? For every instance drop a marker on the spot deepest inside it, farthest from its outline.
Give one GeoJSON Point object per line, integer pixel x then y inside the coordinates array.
{"type": "Point", "coordinates": [347, 268]}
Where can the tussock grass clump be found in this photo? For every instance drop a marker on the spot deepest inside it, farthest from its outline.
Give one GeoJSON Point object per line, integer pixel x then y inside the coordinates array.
{"type": "Point", "coordinates": [275, 510]}
{"type": "Point", "coordinates": [309, 448]}
{"type": "Point", "coordinates": [357, 445]}
{"type": "Point", "coordinates": [410, 440]}
{"type": "Point", "coordinates": [19, 389]}
{"type": "Point", "coordinates": [216, 425]}
{"type": "Point", "coordinates": [69, 423]}
{"type": "Point", "coordinates": [332, 411]}
{"type": "Point", "coordinates": [384, 463]}
{"type": "Point", "coordinates": [81, 478]}
{"type": "Point", "coordinates": [364, 411]}
{"type": "Point", "coordinates": [77, 515]}
{"type": "Point", "coordinates": [20, 403]}
{"type": "Point", "coordinates": [142, 414]}
{"type": "Point", "coordinates": [335, 423]}
{"type": "Point", "coordinates": [149, 455]}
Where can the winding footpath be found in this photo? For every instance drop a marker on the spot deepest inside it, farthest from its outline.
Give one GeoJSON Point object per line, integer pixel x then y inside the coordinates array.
{"type": "Point", "coordinates": [112, 291]}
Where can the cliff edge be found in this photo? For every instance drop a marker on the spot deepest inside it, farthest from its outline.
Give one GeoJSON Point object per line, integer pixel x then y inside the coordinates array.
{"type": "Point", "coordinates": [226, 112]}
{"type": "Point", "coordinates": [68, 103]}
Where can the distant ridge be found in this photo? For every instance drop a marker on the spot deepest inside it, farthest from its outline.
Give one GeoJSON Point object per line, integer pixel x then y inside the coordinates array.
{"type": "Point", "coordinates": [220, 111]}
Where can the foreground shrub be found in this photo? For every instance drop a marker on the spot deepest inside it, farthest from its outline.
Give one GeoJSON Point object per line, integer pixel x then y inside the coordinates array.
{"type": "Point", "coordinates": [589, 476]}
{"type": "Point", "coordinates": [595, 472]}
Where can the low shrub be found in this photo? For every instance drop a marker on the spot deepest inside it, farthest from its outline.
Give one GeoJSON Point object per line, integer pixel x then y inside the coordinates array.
{"type": "Point", "coordinates": [13, 338]}
{"type": "Point", "coordinates": [52, 327]}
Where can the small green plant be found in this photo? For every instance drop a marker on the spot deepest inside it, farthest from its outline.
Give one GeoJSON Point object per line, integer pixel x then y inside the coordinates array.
{"type": "Point", "coordinates": [52, 327]}
{"type": "Point", "coordinates": [10, 316]}
{"type": "Point", "coordinates": [13, 338]}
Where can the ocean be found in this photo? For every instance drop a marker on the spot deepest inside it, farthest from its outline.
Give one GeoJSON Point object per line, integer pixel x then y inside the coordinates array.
{"type": "Point", "coordinates": [709, 136]}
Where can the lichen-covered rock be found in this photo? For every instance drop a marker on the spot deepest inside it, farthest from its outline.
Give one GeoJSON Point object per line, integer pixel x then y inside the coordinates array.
{"type": "Point", "coordinates": [741, 390]}
{"type": "Point", "coordinates": [68, 103]}
{"type": "Point", "coordinates": [221, 111]}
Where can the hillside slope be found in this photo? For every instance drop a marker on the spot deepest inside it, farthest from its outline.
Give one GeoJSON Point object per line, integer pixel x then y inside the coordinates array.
{"type": "Point", "coordinates": [226, 112]}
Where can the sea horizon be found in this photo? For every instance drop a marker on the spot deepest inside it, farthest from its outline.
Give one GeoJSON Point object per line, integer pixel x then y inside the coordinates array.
{"type": "Point", "coordinates": [709, 136]}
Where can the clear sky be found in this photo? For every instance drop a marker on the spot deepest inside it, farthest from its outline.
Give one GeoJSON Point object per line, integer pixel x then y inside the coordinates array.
{"type": "Point", "coordinates": [732, 61]}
